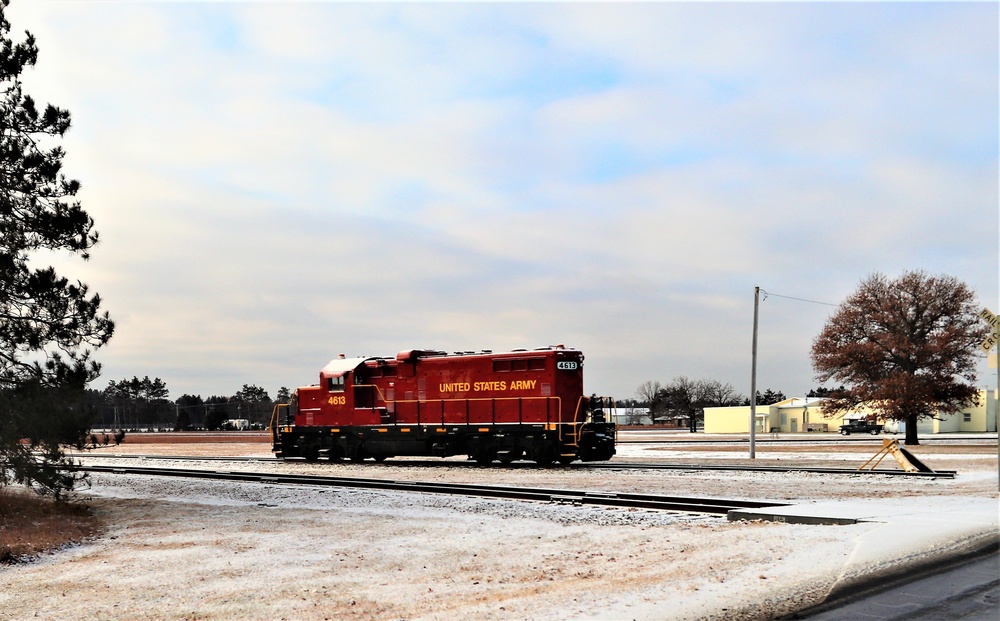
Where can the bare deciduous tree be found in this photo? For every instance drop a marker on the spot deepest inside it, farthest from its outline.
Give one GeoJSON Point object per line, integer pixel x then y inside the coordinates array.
{"type": "Point", "coordinates": [647, 391]}
{"type": "Point", "coordinates": [687, 398]}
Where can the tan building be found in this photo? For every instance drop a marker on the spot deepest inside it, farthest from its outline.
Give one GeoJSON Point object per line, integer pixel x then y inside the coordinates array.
{"type": "Point", "coordinates": [800, 414]}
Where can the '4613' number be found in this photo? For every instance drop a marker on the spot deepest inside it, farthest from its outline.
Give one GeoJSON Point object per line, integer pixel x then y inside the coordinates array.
{"type": "Point", "coordinates": [341, 400]}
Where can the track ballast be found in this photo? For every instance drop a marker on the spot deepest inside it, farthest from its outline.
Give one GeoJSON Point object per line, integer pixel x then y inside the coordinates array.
{"type": "Point", "coordinates": [938, 474]}
{"type": "Point", "coordinates": [714, 506]}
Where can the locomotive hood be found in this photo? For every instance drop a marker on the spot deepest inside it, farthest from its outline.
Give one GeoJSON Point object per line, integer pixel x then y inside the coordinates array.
{"type": "Point", "coordinates": [340, 366]}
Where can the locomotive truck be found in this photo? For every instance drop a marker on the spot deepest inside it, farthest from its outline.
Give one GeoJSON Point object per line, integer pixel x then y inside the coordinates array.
{"type": "Point", "coordinates": [522, 404]}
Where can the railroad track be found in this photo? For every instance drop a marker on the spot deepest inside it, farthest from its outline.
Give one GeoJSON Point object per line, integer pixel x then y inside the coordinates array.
{"type": "Point", "coordinates": [938, 474]}
{"type": "Point", "coordinates": [715, 506]}
{"type": "Point", "coordinates": [858, 438]}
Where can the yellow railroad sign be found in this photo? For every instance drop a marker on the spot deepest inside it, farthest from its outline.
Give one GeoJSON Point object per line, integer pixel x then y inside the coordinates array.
{"type": "Point", "coordinates": [994, 321]}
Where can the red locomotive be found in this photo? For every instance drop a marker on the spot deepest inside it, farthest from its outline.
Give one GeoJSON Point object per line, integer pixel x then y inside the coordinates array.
{"type": "Point", "coordinates": [514, 405]}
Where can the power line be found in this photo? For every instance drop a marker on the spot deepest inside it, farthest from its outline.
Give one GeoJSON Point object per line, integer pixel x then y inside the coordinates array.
{"type": "Point", "coordinates": [788, 297]}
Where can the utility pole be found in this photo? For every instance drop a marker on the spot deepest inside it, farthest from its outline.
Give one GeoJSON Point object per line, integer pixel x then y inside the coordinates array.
{"type": "Point", "coordinates": [753, 377]}
{"type": "Point", "coordinates": [987, 346]}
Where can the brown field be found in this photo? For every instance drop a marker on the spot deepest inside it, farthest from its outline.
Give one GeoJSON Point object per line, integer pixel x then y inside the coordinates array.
{"type": "Point", "coordinates": [31, 524]}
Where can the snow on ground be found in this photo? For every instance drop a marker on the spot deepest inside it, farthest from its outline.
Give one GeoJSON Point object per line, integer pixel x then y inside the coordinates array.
{"type": "Point", "coordinates": [179, 549]}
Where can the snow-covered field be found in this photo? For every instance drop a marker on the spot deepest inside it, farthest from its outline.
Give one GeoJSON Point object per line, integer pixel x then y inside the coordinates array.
{"type": "Point", "coordinates": [178, 549]}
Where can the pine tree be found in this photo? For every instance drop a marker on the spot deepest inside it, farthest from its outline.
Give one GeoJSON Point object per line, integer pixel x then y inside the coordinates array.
{"type": "Point", "coordinates": [48, 324]}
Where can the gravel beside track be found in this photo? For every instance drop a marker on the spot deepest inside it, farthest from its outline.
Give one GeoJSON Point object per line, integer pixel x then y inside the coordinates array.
{"type": "Point", "coordinates": [182, 549]}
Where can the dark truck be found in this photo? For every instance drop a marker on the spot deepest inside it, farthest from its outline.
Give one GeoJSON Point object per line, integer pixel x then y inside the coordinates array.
{"type": "Point", "coordinates": [860, 426]}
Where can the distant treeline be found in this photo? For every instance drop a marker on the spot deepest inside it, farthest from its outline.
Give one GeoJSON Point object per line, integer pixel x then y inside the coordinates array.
{"type": "Point", "coordinates": [144, 405]}
{"type": "Point", "coordinates": [682, 402]}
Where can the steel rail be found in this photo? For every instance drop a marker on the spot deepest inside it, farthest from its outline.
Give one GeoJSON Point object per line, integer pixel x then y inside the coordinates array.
{"type": "Point", "coordinates": [715, 506]}
{"type": "Point", "coordinates": [939, 474]}
{"type": "Point", "coordinates": [636, 438]}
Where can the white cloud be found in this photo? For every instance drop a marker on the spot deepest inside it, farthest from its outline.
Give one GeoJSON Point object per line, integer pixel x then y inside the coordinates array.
{"type": "Point", "coordinates": [276, 184]}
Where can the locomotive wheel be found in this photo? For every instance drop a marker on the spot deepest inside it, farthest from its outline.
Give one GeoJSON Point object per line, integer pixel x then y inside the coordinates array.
{"type": "Point", "coordinates": [546, 454]}
{"type": "Point", "coordinates": [380, 458]}
{"type": "Point", "coordinates": [507, 457]}
{"type": "Point", "coordinates": [484, 457]}
{"type": "Point", "coordinates": [356, 451]}
{"type": "Point", "coordinates": [311, 452]}
{"type": "Point", "coordinates": [567, 459]}
{"type": "Point", "coordinates": [545, 457]}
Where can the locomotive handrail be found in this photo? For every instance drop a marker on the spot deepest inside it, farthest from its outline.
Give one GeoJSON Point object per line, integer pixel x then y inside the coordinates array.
{"type": "Point", "coordinates": [569, 432]}
{"type": "Point", "coordinates": [579, 421]}
{"type": "Point", "coordinates": [378, 391]}
{"type": "Point", "coordinates": [273, 425]}
{"type": "Point", "coordinates": [549, 399]}
{"type": "Point", "coordinates": [548, 419]}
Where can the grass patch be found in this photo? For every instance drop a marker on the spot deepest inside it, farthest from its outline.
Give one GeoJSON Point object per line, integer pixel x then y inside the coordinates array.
{"type": "Point", "coordinates": [31, 524]}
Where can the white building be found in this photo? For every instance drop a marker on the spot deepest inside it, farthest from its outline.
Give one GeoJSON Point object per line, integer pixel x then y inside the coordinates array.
{"type": "Point", "coordinates": [803, 414]}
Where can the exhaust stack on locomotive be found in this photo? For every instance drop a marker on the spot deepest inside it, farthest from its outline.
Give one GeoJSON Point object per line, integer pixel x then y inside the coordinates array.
{"type": "Point", "coordinates": [514, 405]}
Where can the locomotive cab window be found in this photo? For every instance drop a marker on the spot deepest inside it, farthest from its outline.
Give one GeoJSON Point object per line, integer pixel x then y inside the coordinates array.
{"type": "Point", "coordinates": [335, 384]}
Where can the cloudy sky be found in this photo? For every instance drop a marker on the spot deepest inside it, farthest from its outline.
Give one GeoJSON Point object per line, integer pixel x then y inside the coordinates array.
{"type": "Point", "coordinates": [278, 183]}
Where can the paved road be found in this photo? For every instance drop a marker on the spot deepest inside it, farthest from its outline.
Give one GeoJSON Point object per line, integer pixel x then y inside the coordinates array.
{"type": "Point", "coordinates": [970, 592]}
